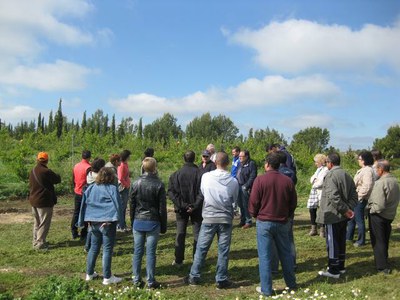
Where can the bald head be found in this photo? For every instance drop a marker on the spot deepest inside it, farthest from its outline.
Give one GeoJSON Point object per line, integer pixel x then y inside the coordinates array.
{"type": "Point", "coordinates": [222, 160]}
{"type": "Point", "coordinates": [384, 165]}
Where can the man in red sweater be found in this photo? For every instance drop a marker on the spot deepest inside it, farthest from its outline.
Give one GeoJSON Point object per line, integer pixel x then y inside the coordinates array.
{"type": "Point", "coordinates": [273, 200]}
{"type": "Point", "coordinates": [79, 174]}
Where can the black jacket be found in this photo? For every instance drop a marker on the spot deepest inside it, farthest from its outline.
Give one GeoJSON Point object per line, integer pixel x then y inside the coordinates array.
{"type": "Point", "coordinates": [149, 200]}
{"type": "Point", "coordinates": [246, 174]}
{"type": "Point", "coordinates": [184, 188]}
{"type": "Point", "coordinates": [210, 166]}
{"type": "Point", "coordinates": [41, 190]}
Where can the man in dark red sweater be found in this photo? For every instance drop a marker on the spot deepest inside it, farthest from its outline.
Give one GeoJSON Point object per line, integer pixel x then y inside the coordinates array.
{"type": "Point", "coordinates": [273, 200]}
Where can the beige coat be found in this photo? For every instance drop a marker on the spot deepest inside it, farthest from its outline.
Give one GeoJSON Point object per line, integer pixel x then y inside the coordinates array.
{"type": "Point", "coordinates": [364, 181]}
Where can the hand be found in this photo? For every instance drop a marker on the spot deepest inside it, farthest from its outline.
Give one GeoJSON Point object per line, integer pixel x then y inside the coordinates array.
{"type": "Point", "coordinates": [349, 214]}
{"type": "Point", "coordinates": [189, 210]}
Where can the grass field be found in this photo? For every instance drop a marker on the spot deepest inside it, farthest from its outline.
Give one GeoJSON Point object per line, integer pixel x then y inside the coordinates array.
{"type": "Point", "coordinates": [21, 268]}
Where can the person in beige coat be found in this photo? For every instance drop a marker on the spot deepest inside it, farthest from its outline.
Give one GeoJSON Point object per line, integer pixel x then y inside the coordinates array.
{"type": "Point", "coordinates": [364, 181]}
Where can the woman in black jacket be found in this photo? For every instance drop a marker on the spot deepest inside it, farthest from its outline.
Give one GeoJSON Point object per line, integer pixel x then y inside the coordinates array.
{"type": "Point", "coordinates": [149, 210]}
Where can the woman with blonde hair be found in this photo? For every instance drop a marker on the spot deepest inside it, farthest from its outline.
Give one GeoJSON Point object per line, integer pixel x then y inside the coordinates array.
{"type": "Point", "coordinates": [315, 194]}
{"type": "Point", "coordinates": [149, 212]}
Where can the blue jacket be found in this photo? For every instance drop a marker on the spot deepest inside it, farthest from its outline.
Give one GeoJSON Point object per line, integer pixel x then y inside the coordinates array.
{"type": "Point", "coordinates": [100, 203]}
{"type": "Point", "coordinates": [235, 166]}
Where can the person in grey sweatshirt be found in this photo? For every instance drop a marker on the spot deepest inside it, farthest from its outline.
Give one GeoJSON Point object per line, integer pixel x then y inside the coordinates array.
{"type": "Point", "coordinates": [220, 191]}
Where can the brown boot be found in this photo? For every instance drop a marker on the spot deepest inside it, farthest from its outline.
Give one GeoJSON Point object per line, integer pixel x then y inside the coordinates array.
{"type": "Point", "coordinates": [313, 230]}
{"type": "Point", "coordinates": [322, 231]}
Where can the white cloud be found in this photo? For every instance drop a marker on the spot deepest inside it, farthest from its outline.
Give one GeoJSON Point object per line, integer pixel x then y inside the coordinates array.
{"type": "Point", "coordinates": [14, 114]}
{"type": "Point", "coordinates": [28, 28]}
{"type": "Point", "coordinates": [309, 120]}
{"type": "Point", "coordinates": [61, 75]}
{"type": "Point", "coordinates": [271, 90]}
{"type": "Point", "coordinates": [297, 46]}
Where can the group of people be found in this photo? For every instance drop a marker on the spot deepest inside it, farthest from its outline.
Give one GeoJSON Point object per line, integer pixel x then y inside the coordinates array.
{"type": "Point", "coordinates": [209, 195]}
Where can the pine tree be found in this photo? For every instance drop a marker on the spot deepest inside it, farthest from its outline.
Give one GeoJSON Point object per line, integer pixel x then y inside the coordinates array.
{"type": "Point", "coordinates": [51, 122]}
{"type": "Point", "coordinates": [113, 129]}
{"type": "Point", "coordinates": [140, 129]}
{"type": "Point", "coordinates": [59, 120]}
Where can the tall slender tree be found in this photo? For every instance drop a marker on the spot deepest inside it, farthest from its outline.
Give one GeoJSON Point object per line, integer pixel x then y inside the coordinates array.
{"type": "Point", "coordinates": [59, 119]}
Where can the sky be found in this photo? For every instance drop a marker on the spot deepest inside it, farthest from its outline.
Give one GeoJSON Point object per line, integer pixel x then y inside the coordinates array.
{"type": "Point", "coordinates": [286, 65]}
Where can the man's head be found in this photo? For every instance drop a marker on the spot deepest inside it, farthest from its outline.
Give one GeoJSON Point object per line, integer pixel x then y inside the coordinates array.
{"type": "Point", "coordinates": [282, 157]}
{"type": "Point", "coordinates": [149, 165]}
{"type": "Point", "coordinates": [244, 155]}
{"type": "Point", "coordinates": [222, 160]}
{"type": "Point", "coordinates": [205, 156]}
{"type": "Point", "coordinates": [332, 160]}
{"type": "Point", "coordinates": [86, 154]}
{"type": "Point", "coordinates": [235, 151]}
{"type": "Point", "coordinates": [211, 148]}
{"type": "Point", "coordinates": [383, 167]}
{"type": "Point", "coordinates": [125, 154]}
{"type": "Point", "coordinates": [149, 152]}
{"type": "Point", "coordinates": [272, 161]}
{"type": "Point", "coordinates": [43, 157]}
{"type": "Point", "coordinates": [376, 154]}
{"type": "Point", "coordinates": [189, 156]}
{"type": "Point", "coordinates": [272, 148]}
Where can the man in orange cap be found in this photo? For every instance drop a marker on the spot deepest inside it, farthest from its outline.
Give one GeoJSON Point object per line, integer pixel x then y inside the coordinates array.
{"type": "Point", "coordinates": [42, 198]}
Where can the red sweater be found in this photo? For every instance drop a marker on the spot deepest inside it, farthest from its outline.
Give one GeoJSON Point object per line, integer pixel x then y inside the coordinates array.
{"type": "Point", "coordinates": [79, 175]}
{"type": "Point", "coordinates": [273, 197]}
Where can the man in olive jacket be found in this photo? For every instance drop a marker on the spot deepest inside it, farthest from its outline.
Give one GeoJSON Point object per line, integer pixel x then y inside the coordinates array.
{"type": "Point", "coordinates": [338, 199]}
{"type": "Point", "coordinates": [42, 198]}
{"type": "Point", "coordinates": [382, 205]}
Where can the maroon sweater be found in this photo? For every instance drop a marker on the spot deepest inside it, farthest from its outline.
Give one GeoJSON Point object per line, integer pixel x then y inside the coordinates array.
{"type": "Point", "coordinates": [273, 197]}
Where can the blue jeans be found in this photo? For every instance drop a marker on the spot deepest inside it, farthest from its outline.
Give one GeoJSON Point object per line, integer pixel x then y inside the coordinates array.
{"type": "Point", "coordinates": [124, 203]}
{"type": "Point", "coordinates": [359, 221]}
{"type": "Point", "coordinates": [267, 234]}
{"type": "Point", "coordinates": [243, 202]}
{"type": "Point", "coordinates": [274, 254]}
{"type": "Point", "coordinates": [101, 235]}
{"type": "Point", "coordinates": [150, 238]}
{"type": "Point", "coordinates": [206, 236]}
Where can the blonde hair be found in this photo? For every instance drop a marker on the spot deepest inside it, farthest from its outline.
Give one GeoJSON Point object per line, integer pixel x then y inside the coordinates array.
{"type": "Point", "coordinates": [320, 158]}
{"type": "Point", "coordinates": [149, 164]}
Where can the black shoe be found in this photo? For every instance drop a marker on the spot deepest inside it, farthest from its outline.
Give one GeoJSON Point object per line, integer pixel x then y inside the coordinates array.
{"type": "Point", "coordinates": [191, 281]}
{"type": "Point", "coordinates": [139, 284]}
{"type": "Point", "coordinates": [75, 235]}
{"type": "Point", "coordinates": [226, 284]}
{"type": "Point", "coordinates": [154, 285]}
{"type": "Point", "coordinates": [385, 271]}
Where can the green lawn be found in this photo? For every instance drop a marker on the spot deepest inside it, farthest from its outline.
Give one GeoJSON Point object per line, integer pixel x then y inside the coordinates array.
{"type": "Point", "coordinates": [21, 268]}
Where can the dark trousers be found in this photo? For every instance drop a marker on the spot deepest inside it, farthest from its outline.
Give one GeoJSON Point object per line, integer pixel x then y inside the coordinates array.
{"type": "Point", "coordinates": [313, 216]}
{"type": "Point", "coordinates": [182, 220]}
{"type": "Point", "coordinates": [75, 216]}
{"type": "Point", "coordinates": [380, 229]}
{"type": "Point", "coordinates": [336, 246]}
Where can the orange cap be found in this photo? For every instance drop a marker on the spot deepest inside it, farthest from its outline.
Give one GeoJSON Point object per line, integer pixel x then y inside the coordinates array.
{"type": "Point", "coordinates": [43, 156]}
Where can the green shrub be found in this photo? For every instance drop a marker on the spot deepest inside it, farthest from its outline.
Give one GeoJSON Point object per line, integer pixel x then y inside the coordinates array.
{"type": "Point", "coordinates": [63, 288]}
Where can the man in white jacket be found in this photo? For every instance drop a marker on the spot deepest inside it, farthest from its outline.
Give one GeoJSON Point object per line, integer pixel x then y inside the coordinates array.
{"type": "Point", "coordinates": [220, 191]}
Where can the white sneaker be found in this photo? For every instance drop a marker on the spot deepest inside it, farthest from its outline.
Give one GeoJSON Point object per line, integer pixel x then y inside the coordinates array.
{"type": "Point", "coordinates": [328, 274]}
{"type": "Point", "coordinates": [112, 280]}
{"type": "Point", "coordinates": [91, 277]}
